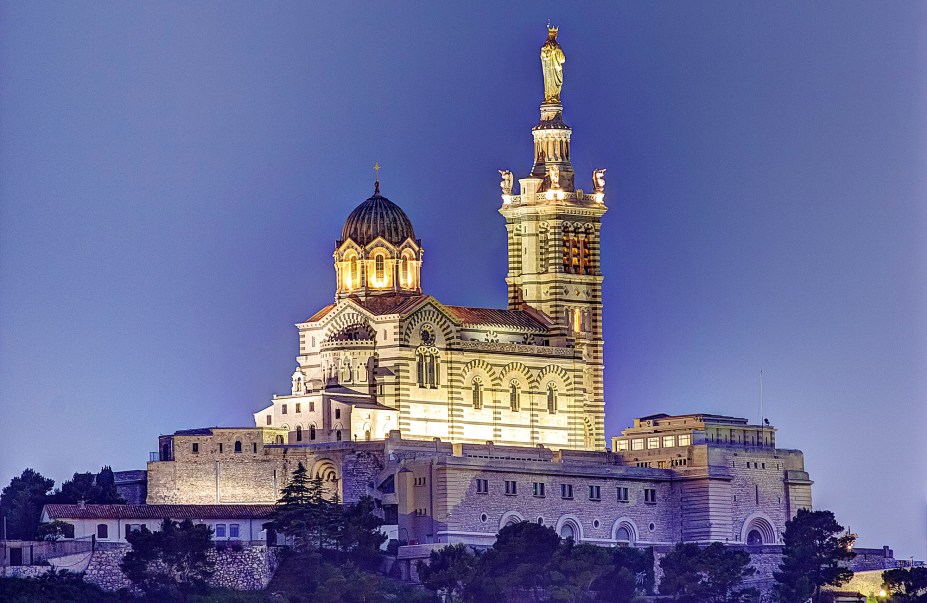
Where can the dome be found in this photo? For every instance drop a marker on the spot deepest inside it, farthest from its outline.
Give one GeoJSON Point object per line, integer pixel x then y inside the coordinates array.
{"type": "Point", "coordinates": [377, 217]}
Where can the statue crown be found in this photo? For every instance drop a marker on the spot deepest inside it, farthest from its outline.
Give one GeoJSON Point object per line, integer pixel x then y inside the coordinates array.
{"type": "Point", "coordinates": [552, 30]}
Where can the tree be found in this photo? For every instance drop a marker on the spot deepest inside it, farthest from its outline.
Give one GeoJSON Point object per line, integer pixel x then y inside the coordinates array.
{"type": "Point", "coordinates": [171, 563]}
{"type": "Point", "coordinates": [53, 531]}
{"type": "Point", "coordinates": [713, 574]}
{"type": "Point", "coordinates": [906, 585]}
{"type": "Point", "coordinates": [360, 534]}
{"type": "Point", "coordinates": [519, 559]}
{"type": "Point", "coordinates": [97, 489]}
{"type": "Point", "coordinates": [814, 549]}
{"type": "Point", "coordinates": [21, 503]}
{"type": "Point", "coordinates": [631, 574]}
{"type": "Point", "coordinates": [300, 513]}
{"type": "Point", "coordinates": [448, 571]}
{"type": "Point", "coordinates": [575, 568]}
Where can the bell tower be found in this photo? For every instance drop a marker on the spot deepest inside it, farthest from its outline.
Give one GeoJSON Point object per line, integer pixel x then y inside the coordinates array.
{"type": "Point", "coordinates": [553, 243]}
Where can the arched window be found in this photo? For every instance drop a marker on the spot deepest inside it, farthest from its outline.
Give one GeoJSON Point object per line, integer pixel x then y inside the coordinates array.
{"type": "Point", "coordinates": [566, 531]}
{"type": "Point", "coordinates": [754, 538]}
{"type": "Point", "coordinates": [623, 536]}
{"type": "Point", "coordinates": [237, 445]}
{"type": "Point", "coordinates": [353, 273]}
{"type": "Point", "coordinates": [380, 269]}
{"type": "Point", "coordinates": [551, 398]}
{"type": "Point", "coordinates": [299, 433]}
{"type": "Point", "coordinates": [514, 396]}
{"type": "Point", "coordinates": [427, 369]}
{"type": "Point", "coordinates": [367, 435]}
{"type": "Point", "coordinates": [477, 393]}
{"type": "Point", "coordinates": [312, 432]}
{"type": "Point", "coordinates": [338, 435]}
{"type": "Point", "coordinates": [278, 439]}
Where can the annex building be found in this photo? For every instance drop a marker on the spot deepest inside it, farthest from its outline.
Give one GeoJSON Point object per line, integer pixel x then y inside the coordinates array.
{"type": "Point", "coordinates": [459, 420]}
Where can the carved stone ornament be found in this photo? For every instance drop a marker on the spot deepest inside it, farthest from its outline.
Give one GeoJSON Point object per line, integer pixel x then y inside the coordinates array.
{"type": "Point", "coordinates": [507, 182]}
{"type": "Point", "coordinates": [598, 180]}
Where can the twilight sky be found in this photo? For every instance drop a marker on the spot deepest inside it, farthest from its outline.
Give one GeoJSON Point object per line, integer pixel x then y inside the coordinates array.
{"type": "Point", "coordinates": [173, 177]}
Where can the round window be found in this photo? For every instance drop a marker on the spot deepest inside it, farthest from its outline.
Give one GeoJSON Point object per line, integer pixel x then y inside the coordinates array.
{"type": "Point", "coordinates": [652, 526]}
{"type": "Point", "coordinates": [595, 523]}
{"type": "Point", "coordinates": [484, 517]}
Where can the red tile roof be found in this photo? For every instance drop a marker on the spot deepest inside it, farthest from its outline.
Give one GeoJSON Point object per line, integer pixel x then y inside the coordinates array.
{"type": "Point", "coordinates": [321, 313]}
{"type": "Point", "coordinates": [391, 304]}
{"type": "Point", "coordinates": [491, 316]}
{"type": "Point", "coordinates": [57, 511]}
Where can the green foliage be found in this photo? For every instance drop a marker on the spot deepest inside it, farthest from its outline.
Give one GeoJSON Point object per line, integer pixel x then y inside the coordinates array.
{"type": "Point", "coordinates": [21, 503]}
{"type": "Point", "coordinates": [172, 562]}
{"type": "Point", "coordinates": [711, 574]}
{"type": "Point", "coordinates": [906, 585]}
{"type": "Point", "coordinates": [99, 489]}
{"type": "Point", "coordinates": [54, 530]}
{"type": "Point", "coordinates": [54, 587]}
{"type": "Point", "coordinates": [448, 571]}
{"type": "Point", "coordinates": [814, 549]}
{"type": "Point", "coordinates": [519, 559]}
{"type": "Point", "coordinates": [311, 522]}
{"type": "Point", "coordinates": [631, 573]}
{"type": "Point", "coordinates": [575, 568]}
{"type": "Point", "coordinates": [315, 578]}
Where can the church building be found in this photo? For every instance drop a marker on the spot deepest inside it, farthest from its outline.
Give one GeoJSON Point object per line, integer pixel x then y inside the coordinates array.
{"type": "Point", "coordinates": [459, 420]}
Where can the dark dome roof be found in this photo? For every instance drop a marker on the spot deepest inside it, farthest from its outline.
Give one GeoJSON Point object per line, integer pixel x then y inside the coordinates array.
{"type": "Point", "coordinates": [377, 217]}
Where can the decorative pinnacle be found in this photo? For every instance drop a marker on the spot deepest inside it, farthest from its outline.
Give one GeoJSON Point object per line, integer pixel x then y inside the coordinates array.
{"type": "Point", "coordinates": [376, 184]}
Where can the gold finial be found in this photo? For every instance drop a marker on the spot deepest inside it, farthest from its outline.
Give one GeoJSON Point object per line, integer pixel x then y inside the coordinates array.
{"type": "Point", "coordinates": [376, 185]}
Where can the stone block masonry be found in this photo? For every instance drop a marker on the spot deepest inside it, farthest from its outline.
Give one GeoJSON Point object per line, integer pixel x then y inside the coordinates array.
{"type": "Point", "coordinates": [250, 568]}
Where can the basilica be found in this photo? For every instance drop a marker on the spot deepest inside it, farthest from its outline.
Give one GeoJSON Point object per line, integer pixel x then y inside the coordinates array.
{"type": "Point", "coordinates": [459, 420]}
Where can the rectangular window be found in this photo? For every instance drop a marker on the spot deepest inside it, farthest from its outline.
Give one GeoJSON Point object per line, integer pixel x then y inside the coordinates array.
{"type": "Point", "coordinates": [511, 487]}
{"type": "Point", "coordinates": [220, 447]}
{"type": "Point", "coordinates": [595, 493]}
{"type": "Point", "coordinates": [482, 486]}
{"type": "Point", "coordinates": [538, 489]}
{"type": "Point", "coordinates": [418, 481]}
{"type": "Point", "coordinates": [669, 441]}
{"type": "Point", "coordinates": [650, 495]}
{"type": "Point", "coordinates": [102, 531]}
{"type": "Point", "coordinates": [685, 440]}
{"type": "Point", "coordinates": [653, 442]}
{"type": "Point", "coordinates": [196, 448]}
{"type": "Point", "coordinates": [270, 419]}
{"type": "Point", "coordinates": [220, 530]}
{"type": "Point", "coordinates": [311, 406]}
{"type": "Point", "coordinates": [299, 408]}
{"type": "Point", "coordinates": [254, 447]}
{"type": "Point", "coordinates": [637, 444]}
{"type": "Point", "coordinates": [566, 491]}
{"type": "Point", "coordinates": [283, 409]}
{"type": "Point", "coordinates": [622, 445]}
{"type": "Point", "coordinates": [337, 413]}
{"type": "Point", "coordinates": [623, 495]}
{"type": "Point", "coordinates": [233, 530]}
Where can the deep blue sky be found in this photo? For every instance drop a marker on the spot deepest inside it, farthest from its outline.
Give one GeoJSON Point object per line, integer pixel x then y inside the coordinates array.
{"type": "Point", "coordinates": [173, 177]}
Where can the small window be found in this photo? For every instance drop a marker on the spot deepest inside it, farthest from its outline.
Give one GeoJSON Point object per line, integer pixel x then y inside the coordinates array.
{"type": "Point", "coordinates": [237, 446]}
{"type": "Point", "coordinates": [669, 441]}
{"type": "Point", "coordinates": [283, 409]}
{"type": "Point", "coordinates": [637, 444]}
{"type": "Point", "coordinates": [621, 445]}
{"type": "Point", "coordinates": [514, 396]}
{"type": "Point", "coordinates": [233, 530]}
{"type": "Point", "coordinates": [311, 406]}
{"type": "Point", "coordinates": [220, 530]}
{"type": "Point", "coordinates": [196, 448]}
{"type": "Point", "coordinates": [337, 413]}
{"type": "Point", "coordinates": [254, 447]}
{"type": "Point", "coordinates": [566, 491]}
{"type": "Point", "coordinates": [477, 394]}
{"type": "Point", "coordinates": [102, 530]}
{"type": "Point", "coordinates": [338, 435]}
{"type": "Point", "coordinates": [538, 489]}
{"type": "Point", "coordinates": [299, 408]}
{"type": "Point", "coordinates": [299, 433]}
{"type": "Point", "coordinates": [312, 432]}
{"type": "Point", "coordinates": [511, 487]}
{"type": "Point", "coordinates": [482, 486]}
{"type": "Point", "coordinates": [220, 447]}
{"type": "Point", "coordinates": [380, 269]}
{"type": "Point", "coordinates": [551, 398]}
{"type": "Point", "coordinates": [623, 495]}
{"type": "Point", "coordinates": [685, 440]}
{"type": "Point", "coordinates": [595, 493]}
{"type": "Point", "coordinates": [270, 419]}
{"type": "Point", "coordinates": [653, 442]}
{"type": "Point", "coordinates": [650, 495]}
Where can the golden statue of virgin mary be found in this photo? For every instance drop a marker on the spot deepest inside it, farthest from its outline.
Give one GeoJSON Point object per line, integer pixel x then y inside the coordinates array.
{"type": "Point", "coordinates": [552, 61]}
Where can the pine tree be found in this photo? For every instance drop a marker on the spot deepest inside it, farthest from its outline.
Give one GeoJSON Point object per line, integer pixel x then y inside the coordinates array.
{"type": "Point", "coordinates": [812, 556]}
